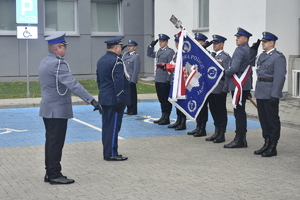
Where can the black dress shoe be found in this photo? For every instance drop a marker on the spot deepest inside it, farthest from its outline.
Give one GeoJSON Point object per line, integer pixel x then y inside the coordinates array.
{"type": "Point", "coordinates": [61, 180]}
{"type": "Point", "coordinates": [47, 179]}
{"type": "Point", "coordinates": [115, 158]}
{"type": "Point", "coordinates": [131, 113]}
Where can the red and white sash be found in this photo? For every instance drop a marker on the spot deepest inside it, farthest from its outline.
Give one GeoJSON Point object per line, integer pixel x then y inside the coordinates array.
{"type": "Point", "coordinates": [239, 83]}
{"type": "Point", "coordinates": [178, 83]}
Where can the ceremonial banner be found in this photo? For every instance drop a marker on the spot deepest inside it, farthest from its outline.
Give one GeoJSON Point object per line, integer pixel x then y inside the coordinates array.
{"type": "Point", "coordinates": [196, 75]}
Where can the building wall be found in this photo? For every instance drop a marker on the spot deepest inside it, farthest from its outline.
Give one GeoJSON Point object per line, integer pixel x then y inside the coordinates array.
{"type": "Point", "coordinates": [84, 50]}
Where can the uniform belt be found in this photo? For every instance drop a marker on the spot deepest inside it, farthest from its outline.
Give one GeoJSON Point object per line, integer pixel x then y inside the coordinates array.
{"type": "Point", "coordinates": [265, 79]}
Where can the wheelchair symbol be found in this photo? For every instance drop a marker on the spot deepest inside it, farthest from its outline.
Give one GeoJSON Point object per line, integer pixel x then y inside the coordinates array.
{"type": "Point", "coordinates": [26, 33]}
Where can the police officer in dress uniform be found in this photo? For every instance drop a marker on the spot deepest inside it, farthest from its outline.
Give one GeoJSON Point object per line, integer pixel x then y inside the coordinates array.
{"type": "Point", "coordinates": [132, 63]}
{"type": "Point", "coordinates": [202, 118]}
{"type": "Point", "coordinates": [114, 95]}
{"type": "Point", "coordinates": [240, 61]}
{"type": "Point", "coordinates": [271, 71]}
{"type": "Point", "coordinates": [162, 77]}
{"type": "Point", "coordinates": [217, 99]}
{"type": "Point", "coordinates": [57, 83]}
{"type": "Point", "coordinates": [180, 123]}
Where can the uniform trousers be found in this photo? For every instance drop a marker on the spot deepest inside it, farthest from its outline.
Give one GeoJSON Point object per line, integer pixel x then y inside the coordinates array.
{"type": "Point", "coordinates": [240, 114]}
{"type": "Point", "coordinates": [163, 90]}
{"type": "Point", "coordinates": [55, 138]}
{"type": "Point", "coordinates": [111, 125]}
{"type": "Point", "coordinates": [217, 106]}
{"type": "Point", "coordinates": [269, 118]}
{"type": "Point", "coordinates": [179, 113]}
{"type": "Point", "coordinates": [132, 108]}
{"type": "Point", "coordinates": [202, 118]}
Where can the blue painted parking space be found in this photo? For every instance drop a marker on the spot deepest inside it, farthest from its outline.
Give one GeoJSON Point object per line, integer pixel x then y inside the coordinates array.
{"type": "Point", "coordinates": [24, 127]}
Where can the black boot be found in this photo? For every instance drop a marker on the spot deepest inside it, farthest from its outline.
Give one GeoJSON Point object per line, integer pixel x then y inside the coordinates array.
{"type": "Point", "coordinates": [236, 143]}
{"type": "Point", "coordinates": [160, 119]}
{"type": "Point", "coordinates": [182, 125]}
{"type": "Point", "coordinates": [221, 136]}
{"type": "Point", "coordinates": [245, 141]}
{"type": "Point", "coordinates": [177, 123]}
{"type": "Point", "coordinates": [215, 135]}
{"type": "Point", "coordinates": [166, 120]}
{"type": "Point", "coordinates": [271, 151]}
{"type": "Point", "coordinates": [264, 148]}
{"type": "Point", "coordinates": [202, 131]}
{"type": "Point", "coordinates": [193, 131]}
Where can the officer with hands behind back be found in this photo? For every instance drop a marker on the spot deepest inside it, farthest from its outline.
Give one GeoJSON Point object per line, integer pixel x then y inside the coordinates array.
{"type": "Point", "coordinates": [271, 71]}
{"type": "Point", "coordinates": [114, 95]}
{"type": "Point", "coordinates": [57, 83]}
{"type": "Point", "coordinates": [162, 77]}
{"type": "Point", "coordinates": [132, 63]}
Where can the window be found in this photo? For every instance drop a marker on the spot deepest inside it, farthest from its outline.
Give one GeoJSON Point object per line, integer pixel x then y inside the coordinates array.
{"type": "Point", "coordinates": [204, 14]}
{"type": "Point", "coordinates": [60, 15]}
{"type": "Point", "coordinates": [106, 17]}
{"type": "Point", "coordinates": [8, 25]}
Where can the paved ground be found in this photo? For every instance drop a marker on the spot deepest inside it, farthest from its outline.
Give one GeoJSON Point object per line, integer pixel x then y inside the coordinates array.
{"type": "Point", "coordinates": [164, 165]}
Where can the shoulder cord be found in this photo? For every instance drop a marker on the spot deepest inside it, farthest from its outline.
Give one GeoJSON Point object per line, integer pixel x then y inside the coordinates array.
{"type": "Point", "coordinates": [124, 55]}
{"type": "Point", "coordinates": [124, 68]}
{"type": "Point", "coordinates": [256, 59]}
{"type": "Point", "coordinates": [57, 78]}
{"type": "Point", "coordinates": [156, 58]}
{"type": "Point", "coordinates": [125, 71]}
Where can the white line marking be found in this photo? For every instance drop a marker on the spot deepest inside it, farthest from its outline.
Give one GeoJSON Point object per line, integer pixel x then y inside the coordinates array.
{"type": "Point", "coordinates": [91, 126]}
{"type": "Point", "coordinates": [9, 130]}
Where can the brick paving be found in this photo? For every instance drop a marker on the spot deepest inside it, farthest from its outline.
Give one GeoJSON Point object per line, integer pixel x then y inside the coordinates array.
{"type": "Point", "coordinates": [165, 167]}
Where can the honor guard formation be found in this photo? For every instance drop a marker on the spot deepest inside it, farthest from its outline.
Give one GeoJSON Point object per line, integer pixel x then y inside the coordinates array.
{"type": "Point", "coordinates": [271, 71]}
{"type": "Point", "coordinates": [117, 76]}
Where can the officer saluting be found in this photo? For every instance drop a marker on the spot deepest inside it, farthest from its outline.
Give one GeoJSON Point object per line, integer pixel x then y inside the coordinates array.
{"type": "Point", "coordinates": [113, 85]}
{"type": "Point", "coordinates": [162, 77]}
{"type": "Point", "coordinates": [57, 83]}
{"type": "Point", "coordinates": [132, 62]}
{"type": "Point", "coordinates": [271, 71]}
{"type": "Point", "coordinates": [202, 40]}
{"type": "Point", "coordinates": [217, 99]}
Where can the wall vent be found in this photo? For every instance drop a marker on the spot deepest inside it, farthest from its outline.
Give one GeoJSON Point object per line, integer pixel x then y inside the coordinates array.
{"type": "Point", "coordinates": [296, 83]}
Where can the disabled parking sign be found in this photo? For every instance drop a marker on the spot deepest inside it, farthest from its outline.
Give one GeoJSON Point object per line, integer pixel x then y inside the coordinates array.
{"type": "Point", "coordinates": [27, 32]}
{"type": "Point", "coordinates": [26, 11]}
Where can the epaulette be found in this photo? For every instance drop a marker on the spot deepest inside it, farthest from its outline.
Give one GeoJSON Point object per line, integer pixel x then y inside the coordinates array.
{"type": "Point", "coordinates": [226, 53]}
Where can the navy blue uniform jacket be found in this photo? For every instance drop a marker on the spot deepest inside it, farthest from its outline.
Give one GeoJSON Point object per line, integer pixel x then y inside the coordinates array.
{"type": "Point", "coordinates": [112, 83]}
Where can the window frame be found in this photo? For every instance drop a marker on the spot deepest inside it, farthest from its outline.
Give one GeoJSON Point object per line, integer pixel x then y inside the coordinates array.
{"type": "Point", "coordinates": [10, 32]}
{"type": "Point", "coordinates": [69, 33]}
{"type": "Point", "coordinates": [199, 16]}
{"type": "Point", "coordinates": [120, 19]}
